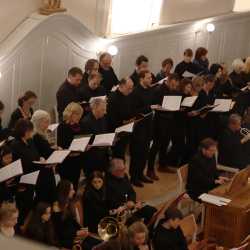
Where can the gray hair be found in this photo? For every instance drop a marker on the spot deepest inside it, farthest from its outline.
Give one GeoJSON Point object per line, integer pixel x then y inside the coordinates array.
{"type": "Point", "coordinates": [36, 119]}
{"type": "Point", "coordinates": [96, 102]}
{"type": "Point", "coordinates": [238, 65]}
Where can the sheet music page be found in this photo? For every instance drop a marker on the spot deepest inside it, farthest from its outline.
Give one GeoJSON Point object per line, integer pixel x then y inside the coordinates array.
{"type": "Point", "coordinates": [171, 103]}
{"type": "Point", "coordinates": [53, 127]}
{"type": "Point", "coordinates": [189, 101]}
{"type": "Point", "coordinates": [188, 74]}
{"type": "Point", "coordinates": [1, 143]}
{"type": "Point", "coordinates": [79, 144]}
{"type": "Point", "coordinates": [57, 156]}
{"type": "Point", "coordinates": [104, 139]}
{"type": "Point", "coordinates": [103, 97]}
{"type": "Point", "coordinates": [12, 170]}
{"type": "Point", "coordinates": [224, 105]}
{"type": "Point", "coordinates": [125, 128]}
{"type": "Point", "coordinates": [216, 200]}
{"type": "Point", "coordinates": [30, 178]}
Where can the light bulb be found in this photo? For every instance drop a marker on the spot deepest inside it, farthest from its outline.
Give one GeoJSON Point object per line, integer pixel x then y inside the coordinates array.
{"type": "Point", "coordinates": [210, 27]}
{"type": "Point", "coordinates": [113, 50]}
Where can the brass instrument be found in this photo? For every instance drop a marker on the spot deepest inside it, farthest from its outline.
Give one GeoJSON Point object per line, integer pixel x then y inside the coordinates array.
{"type": "Point", "coordinates": [108, 228]}
{"type": "Point", "coordinates": [244, 131]}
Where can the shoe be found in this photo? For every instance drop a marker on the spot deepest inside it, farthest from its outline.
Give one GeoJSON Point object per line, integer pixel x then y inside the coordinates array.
{"type": "Point", "coordinates": [146, 179]}
{"type": "Point", "coordinates": [152, 175]}
{"type": "Point", "coordinates": [137, 183]}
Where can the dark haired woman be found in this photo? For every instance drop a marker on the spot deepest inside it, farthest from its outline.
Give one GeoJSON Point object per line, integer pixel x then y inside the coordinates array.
{"type": "Point", "coordinates": [94, 201]}
{"type": "Point", "coordinates": [24, 109]}
{"type": "Point", "coordinates": [64, 217]}
{"type": "Point", "coordinates": [40, 227]}
{"type": "Point", "coordinates": [201, 61]}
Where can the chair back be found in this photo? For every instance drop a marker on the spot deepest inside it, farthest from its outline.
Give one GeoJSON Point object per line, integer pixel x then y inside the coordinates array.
{"type": "Point", "coordinates": [182, 173]}
{"type": "Point", "coordinates": [189, 227]}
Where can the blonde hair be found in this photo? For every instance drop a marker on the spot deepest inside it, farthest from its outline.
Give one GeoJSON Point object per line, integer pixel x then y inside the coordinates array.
{"type": "Point", "coordinates": [36, 119]}
{"type": "Point", "coordinates": [197, 81]}
{"type": "Point", "coordinates": [247, 65]}
{"type": "Point", "coordinates": [6, 211]}
{"type": "Point", "coordinates": [238, 65]}
{"type": "Point", "coordinates": [137, 227]}
{"type": "Point", "coordinates": [72, 108]}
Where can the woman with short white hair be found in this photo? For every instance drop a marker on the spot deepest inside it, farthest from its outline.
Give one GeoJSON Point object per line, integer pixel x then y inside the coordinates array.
{"type": "Point", "coordinates": [237, 75]}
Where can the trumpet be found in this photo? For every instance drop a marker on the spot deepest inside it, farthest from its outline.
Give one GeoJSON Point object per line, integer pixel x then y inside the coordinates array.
{"type": "Point", "coordinates": [244, 131]}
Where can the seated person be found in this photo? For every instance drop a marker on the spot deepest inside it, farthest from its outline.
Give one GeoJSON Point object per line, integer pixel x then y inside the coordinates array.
{"type": "Point", "coordinates": [8, 219]}
{"type": "Point", "coordinates": [94, 201]}
{"type": "Point", "coordinates": [120, 193]}
{"type": "Point", "coordinates": [233, 145]}
{"type": "Point", "coordinates": [93, 88]}
{"type": "Point", "coordinates": [166, 67]}
{"type": "Point", "coordinates": [94, 123]}
{"type": "Point", "coordinates": [202, 172]}
{"type": "Point", "coordinates": [64, 218]}
{"type": "Point", "coordinates": [168, 234]}
{"type": "Point", "coordinates": [40, 227]}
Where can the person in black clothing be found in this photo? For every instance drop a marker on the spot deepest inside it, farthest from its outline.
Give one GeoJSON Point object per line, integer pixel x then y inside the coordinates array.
{"type": "Point", "coordinates": [109, 78]}
{"type": "Point", "coordinates": [92, 88]}
{"type": "Point", "coordinates": [166, 67]}
{"type": "Point", "coordinates": [234, 147]}
{"type": "Point", "coordinates": [201, 61]}
{"type": "Point", "coordinates": [203, 175]}
{"type": "Point", "coordinates": [165, 126]}
{"type": "Point", "coordinates": [64, 218]}
{"type": "Point", "coordinates": [143, 97]}
{"type": "Point", "coordinates": [40, 227]}
{"type": "Point", "coordinates": [66, 131]}
{"type": "Point", "coordinates": [120, 193]}
{"type": "Point", "coordinates": [41, 121]}
{"type": "Point", "coordinates": [94, 123]}
{"type": "Point", "coordinates": [69, 91]}
{"type": "Point", "coordinates": [24, 110]}
{"type": "Point", "coordinates": [3, 131]}
{"type": "Point", "coordinates": [119, 112]}
{"type": "Point", "coordinates": [187, 65]}
{"type": "Point", "coordinates": [237, 75]}
{"type": "Point", "coordinates": [94, 202]}
{"type": "Point", "coordinates": [168, 235]}
{"type": "Point", "coordinates": [91, 66]}
{"type": "Point", "coordinates": [141, 64]}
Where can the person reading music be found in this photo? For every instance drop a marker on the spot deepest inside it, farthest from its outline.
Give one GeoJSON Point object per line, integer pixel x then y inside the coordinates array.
{"type": "Point", "coordinates": [24, 110]}
{"type": "Point", "coordinates": [233, 146]}
{"type": "Point", "coordinates": [91, 66]}
{"type": "Point", "coordinates": [237, 75]}
{"type": "Point", "coordinates": [109, 78]}
{"type": "Point", "coordinates": [166, 67]}
{"type": "Point", "coordinates": [203, 175]}
{"type": "Point", "coordinates": [141, 64]}
{"type": "Point", "coordinates": [92, 88]}
{"type": "Point", "coordinates": [201, 60]}
{"type": "Point", "coordinates": [168, 235]}
{"type": "Point", "coordinates": [69, 91]}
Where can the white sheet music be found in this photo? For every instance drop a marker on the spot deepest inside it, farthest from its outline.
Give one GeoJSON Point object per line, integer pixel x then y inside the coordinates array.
{"type": "Point", "coordinates": [216, 200]}
{"type": "Point", "coordinates": [56, 157]}
{"type": "Point", "coordinates": [12, 170]}
{"type": "Point", "coordinates": [171, 103]}
{"type": "Point", "coordinates": [103, 97]}
{"type": "Point", "coordinates": [30, 178]}
{"type": "Point", "coordinates": [189, 101]}
{"type": "Point", "coordinates": [125, 128]}
{"type": "Point", "coordinates": [224, 105]}
{"type": "Point", "coordinates": [53, 127]}
{"type": "Point", "coordinates": [188, 74]}
{"type": "Point", "coordinates": [104, 140]}
{"type": "Point", "coordinates": [79, 144]}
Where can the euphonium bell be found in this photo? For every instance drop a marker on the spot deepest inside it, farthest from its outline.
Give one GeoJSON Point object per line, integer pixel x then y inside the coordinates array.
{"type": "Point", "coordinates": [108, 228]}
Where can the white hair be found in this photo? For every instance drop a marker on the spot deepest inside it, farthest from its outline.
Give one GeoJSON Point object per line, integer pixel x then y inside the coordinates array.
{"type": "Point", "coordinates": [238, 65]}
{"type": "Point", "coordinates": [96, 102]}
{"type": "Point", "coordinates": [36, 119]}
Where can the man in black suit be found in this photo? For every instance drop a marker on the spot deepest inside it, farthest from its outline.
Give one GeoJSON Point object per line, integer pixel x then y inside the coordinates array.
{"type": "Point", "coordinates": [69, 91]}
{"type": "Point", "coordinates": [141, 64]}
{"type": "Point", "coordinates": [109, 78]}
{"type": "Point", "coordinates": [120, 112]}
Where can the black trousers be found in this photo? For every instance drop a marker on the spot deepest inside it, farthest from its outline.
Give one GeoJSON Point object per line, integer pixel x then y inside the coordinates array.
{"type": "Point", "coordinates": [139, 148]}
{"type": "Point", "coordinates": [119, 149]}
